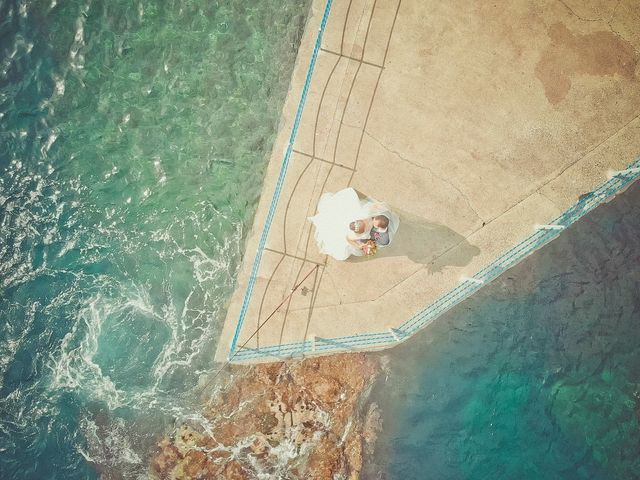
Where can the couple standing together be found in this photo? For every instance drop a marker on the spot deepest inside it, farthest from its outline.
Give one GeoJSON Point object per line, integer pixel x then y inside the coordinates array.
{"type": "Point", "coordinates": [346, 225]}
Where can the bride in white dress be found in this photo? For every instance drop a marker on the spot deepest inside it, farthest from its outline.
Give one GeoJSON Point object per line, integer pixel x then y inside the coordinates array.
{"type": "Point", "coordinates": [344, 222]}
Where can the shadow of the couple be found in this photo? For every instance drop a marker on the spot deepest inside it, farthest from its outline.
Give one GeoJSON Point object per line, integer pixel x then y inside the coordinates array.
{"type": "Point", "coordinates": [431, 244]}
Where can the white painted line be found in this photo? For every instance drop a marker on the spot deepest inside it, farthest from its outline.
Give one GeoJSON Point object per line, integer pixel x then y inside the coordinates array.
{"type": "Point", "coordinates": [549, 227]}
{"type": "Point", "coordinates": [622, 173]}
{"type": "Point", "coordinates": [395, 335]}
{"type": "Point", "coordinates": [472, 280]}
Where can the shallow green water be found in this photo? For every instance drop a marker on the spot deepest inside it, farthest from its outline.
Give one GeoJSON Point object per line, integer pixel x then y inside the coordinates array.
{"type": "Point", "coordinates": [535, 377]}
{"type": "Point", "coordinates": [133, 142]}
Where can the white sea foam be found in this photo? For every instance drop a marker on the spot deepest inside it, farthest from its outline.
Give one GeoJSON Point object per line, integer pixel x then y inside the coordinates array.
{"type": "Point", "coordinates": [60, 87]}
{"type": "Point", "coordinates": [111, 445]}
{"type": "Point", "coordinates": [51, 138]}
{"type": "Point", "coordinates": [73, 366]}
{"type": "Point", "coordinates": [76, 58]}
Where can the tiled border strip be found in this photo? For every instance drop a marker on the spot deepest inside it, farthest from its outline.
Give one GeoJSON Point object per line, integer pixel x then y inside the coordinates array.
{"type": "Point", "coordinates": [280, 182]}
{"type": "Point", "coordinates": [371, 341]}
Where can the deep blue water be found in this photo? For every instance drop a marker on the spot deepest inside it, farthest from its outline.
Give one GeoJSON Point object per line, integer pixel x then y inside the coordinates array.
{"type": "Point", "coordinates": [535, 377]}
{"type": "Point", "coordinates": [133, 142]}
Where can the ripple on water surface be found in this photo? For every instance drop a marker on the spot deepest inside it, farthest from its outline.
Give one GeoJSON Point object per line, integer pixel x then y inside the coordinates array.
{"type": "Point", "coordinates": [133, 141]}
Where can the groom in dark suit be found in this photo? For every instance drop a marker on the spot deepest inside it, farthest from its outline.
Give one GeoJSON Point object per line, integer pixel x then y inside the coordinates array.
{"type": "Point", "coordinates": [380, 231]}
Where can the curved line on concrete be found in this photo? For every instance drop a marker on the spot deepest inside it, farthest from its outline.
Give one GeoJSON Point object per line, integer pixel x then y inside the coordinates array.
{"type": "Point", "coordinates": [375, 90]}
{"type": "Point", "coordinates": [344, 25]}
{"type": "Point", "coordinates": [286, 212]}
{"type": "Point", "coordinates": [366, 35]}
{"type": "Point", "coordinates": [324, 92]}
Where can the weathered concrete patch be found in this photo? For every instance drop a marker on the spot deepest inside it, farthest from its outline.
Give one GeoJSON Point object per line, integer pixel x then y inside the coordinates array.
{"type": "Point", "coordinates": [570, 54]}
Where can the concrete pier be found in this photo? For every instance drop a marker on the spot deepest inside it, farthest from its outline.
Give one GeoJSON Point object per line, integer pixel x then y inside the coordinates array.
{"type": "Point", "coordinates": [475, 121]}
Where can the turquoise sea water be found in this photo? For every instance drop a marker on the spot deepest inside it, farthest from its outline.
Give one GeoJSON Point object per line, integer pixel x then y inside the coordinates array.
{"type": "Point", "coordinates": [535, 377]}
{"type": "Point", "coordinates": [133, 142]}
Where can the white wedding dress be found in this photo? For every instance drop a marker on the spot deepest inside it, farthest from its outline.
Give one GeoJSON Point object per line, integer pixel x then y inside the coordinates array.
{"type": "Point", "coordinates": [336, 211]}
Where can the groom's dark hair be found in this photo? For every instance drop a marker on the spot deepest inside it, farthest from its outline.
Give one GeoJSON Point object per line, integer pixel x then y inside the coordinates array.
{"type": "Point", "coordinates": [384, 221]}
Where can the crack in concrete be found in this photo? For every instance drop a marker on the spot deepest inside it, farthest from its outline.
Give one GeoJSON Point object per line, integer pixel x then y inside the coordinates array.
{"type": "Point", "coordinates": [424, 167]}
{"type": "Point", "coordinates": [613, 14]}
{"type": "Point", "coordinates": [599, 19]}
{"type": "Point", "coordinates": [570, 10]}
{"type": "Point", "coordinates": [553, 202]}
{"type": "Point", "coordinates": [398, 154]}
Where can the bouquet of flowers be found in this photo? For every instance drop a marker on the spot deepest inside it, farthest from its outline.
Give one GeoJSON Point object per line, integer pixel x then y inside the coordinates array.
{"type": "Point", "coordinates": [370, 248]}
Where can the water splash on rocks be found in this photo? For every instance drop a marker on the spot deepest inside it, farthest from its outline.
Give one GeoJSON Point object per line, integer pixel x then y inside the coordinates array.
{"type": "Point", "coordinates": [282, 420]}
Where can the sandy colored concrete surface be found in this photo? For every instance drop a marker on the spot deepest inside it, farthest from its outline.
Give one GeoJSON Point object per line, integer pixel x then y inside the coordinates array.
{"type": "Point", "coordinates": [474, 121]}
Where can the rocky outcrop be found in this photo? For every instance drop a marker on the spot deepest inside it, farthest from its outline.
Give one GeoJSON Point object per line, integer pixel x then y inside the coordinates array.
{"type": "Point", "coordinates": [307, 419]}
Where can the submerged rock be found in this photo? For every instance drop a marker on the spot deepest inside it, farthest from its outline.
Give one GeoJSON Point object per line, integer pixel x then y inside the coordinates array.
{"type": "Point", "coordinates": [307, 419]}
